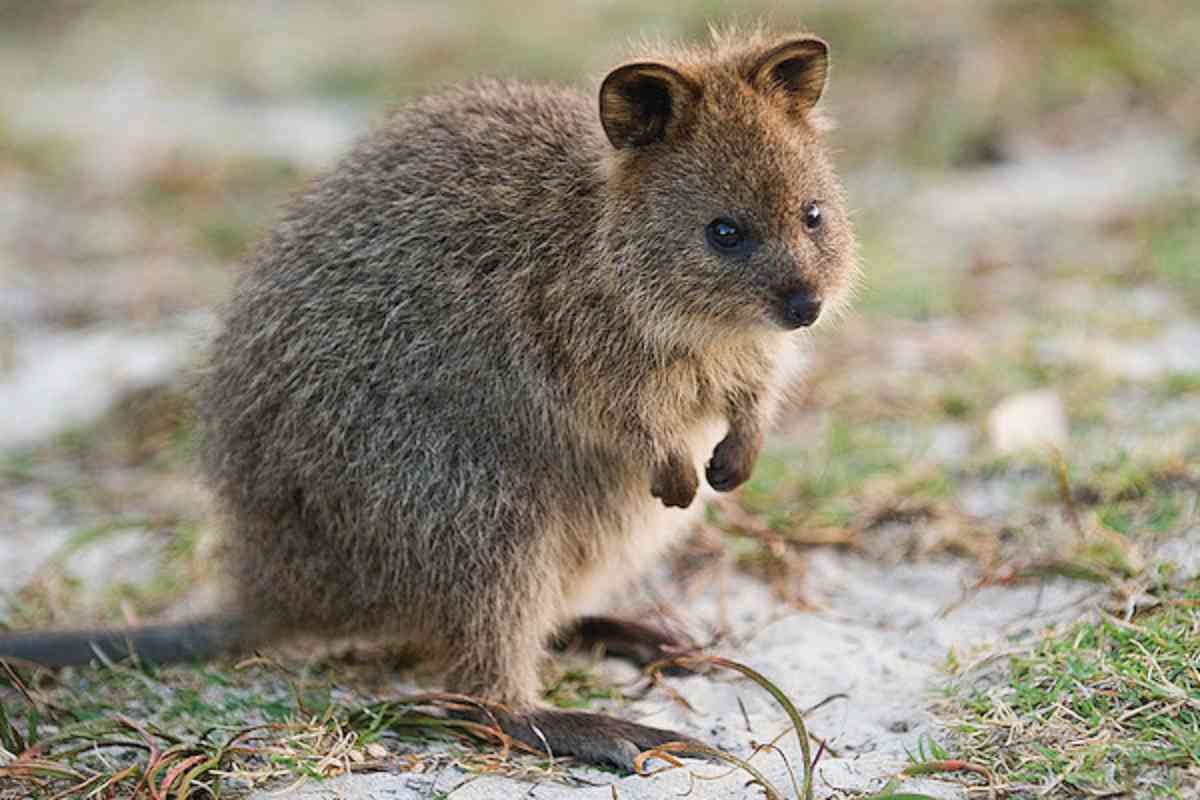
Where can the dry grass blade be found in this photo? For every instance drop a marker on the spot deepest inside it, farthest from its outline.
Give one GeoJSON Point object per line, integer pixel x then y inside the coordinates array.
{"type": "Point", "coordinates": [118, 778]}
{"type": "Point", "coordinates": [185, 786]}
{"type": "Point", "coordinates": [950, 765]}
{"type": "Point", "coordinates": [1063, 481]}
{"type": "Point", "coordinates": [788, 706]}
{"type": "Point", "coordinates": [77, 790]}
{"type": "Point", "coordinates": [33, 767]}
{"type": "Point", "coordinates": [664, 752]}
{"type": "Point", "coordinates": [166, 760]}
{"type": "Point", "coordinates": [10, 738]}
{"type": "Point", "coordinates": [176, 771]}
{"type": "Point", "coordinates": [774, 748]}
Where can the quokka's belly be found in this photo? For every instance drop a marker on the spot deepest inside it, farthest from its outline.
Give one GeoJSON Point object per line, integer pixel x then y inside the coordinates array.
{"type": "Point", "coordinates": [643, 532]}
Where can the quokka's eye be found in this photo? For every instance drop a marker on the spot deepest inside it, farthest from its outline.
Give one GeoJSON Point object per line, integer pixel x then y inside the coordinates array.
{"type": "Point", "coordinates": [812, 215]}
{"type": "Point", "coordinates": [724, 234]}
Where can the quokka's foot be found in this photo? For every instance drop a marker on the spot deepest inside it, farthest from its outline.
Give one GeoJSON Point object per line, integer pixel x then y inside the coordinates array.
{"type": "Point", "coordinates": [594, 738]}
{"type": "Point", "coordinates": [636, 642]}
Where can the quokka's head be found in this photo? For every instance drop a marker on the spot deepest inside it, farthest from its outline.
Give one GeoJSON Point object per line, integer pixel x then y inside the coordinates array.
{"type": "Point", "coordinates": [723, 208]}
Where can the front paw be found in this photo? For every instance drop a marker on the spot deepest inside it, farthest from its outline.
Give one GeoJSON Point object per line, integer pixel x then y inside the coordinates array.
{"type": "Point", "coordinates": [732, 462]}
{"type": "Point", "coordinates": [675, 483]}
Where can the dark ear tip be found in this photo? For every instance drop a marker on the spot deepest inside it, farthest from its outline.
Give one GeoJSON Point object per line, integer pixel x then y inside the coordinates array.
{"type": "Point", "coordinates": [616, 77]}
{"type": "Point", "coordinates": [818, 44]}
{"type": "Point", "coordinates": [820, 48]}
{"type": "Point", "coordinates": [798, 66]}
{"type": "Point", "coordinates": [808, 46]}
{"type": "Point", "coordinates": [639, 102]}
{"type": "Point", "coordinates": [628, 75]}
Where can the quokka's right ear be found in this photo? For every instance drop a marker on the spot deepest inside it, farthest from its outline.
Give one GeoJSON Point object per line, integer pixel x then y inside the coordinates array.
{"type": "Point", "coordinates": [646, 102]}
{"type": "Point", "coordinates": [795, 70]}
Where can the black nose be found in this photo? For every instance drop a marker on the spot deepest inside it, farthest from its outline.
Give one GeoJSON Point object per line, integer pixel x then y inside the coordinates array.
{"type": "Point", "coordinates": [800, 309]}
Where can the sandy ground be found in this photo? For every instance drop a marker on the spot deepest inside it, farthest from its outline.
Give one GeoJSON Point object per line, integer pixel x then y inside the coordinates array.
{"type": "Point", "coordinates": [878, 649]}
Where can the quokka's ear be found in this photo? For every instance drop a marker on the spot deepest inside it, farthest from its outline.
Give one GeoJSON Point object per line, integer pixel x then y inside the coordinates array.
{"type": "Point", "coordinates": [797, 69]}
{"type": "Point", "coordinates": [646, 102]}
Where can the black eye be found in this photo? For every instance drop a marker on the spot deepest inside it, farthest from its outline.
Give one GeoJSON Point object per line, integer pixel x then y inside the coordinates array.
{"type": "Point", "coordinates": [812, 215]}
{"type": "Point", "coordinates": [724, 234]}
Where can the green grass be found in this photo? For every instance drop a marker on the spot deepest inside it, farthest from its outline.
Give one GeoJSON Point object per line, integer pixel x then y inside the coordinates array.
{"type": "Point", "coordinates": [1180, 384]}
{"type": "Point", "coordinates": [103, 482]}
{"type": "Point", "coordinates": [187, 731]}
{"type": "Point", "coordinates": [222, 731]}
{"type": "Point", "coordinates": [52, 159]}
{"type": "Point", "coordinates": [581, 687]}
{"type": "Point", "coordinates": [1173, 250]}
{"type": "Point", "coordinates": [817, 482]}
{"type": "Point", "coordinates": [170, 549]}
{"type": "Point", "coordinates": [1095, 707]}
{"type": "Point", "coordinates": [903, 293]}
{"type": "Point", "coordinates": [218, 207]}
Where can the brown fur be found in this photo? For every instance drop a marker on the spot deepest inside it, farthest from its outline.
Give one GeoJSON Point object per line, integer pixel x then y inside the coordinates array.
{"type": "Point", "coordinates": [452, 382]}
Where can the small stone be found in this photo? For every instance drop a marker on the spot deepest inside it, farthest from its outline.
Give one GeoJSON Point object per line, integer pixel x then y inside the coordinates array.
{"type": "Point", "coordinates": [1029, 420]}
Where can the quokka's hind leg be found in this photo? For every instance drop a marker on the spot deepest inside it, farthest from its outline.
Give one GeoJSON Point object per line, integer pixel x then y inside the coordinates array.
{"type": "Point", "coordinates": [594, 738]}
{"type": "Point", "coordinates": [500, 669]}
{"type": "Point", "coordinates": [636, 642]}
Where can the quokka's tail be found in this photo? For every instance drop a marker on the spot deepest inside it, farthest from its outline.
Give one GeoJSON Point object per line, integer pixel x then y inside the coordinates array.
{"type": "Point", "coordinates": [194, 640]}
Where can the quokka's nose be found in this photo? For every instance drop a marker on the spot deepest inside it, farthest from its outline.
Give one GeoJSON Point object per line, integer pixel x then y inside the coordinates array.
{"type": "Point", "coordinates": [801, 309]}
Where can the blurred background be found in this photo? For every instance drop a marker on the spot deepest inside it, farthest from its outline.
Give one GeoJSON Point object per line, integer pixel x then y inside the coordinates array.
{"type": "Point", "coordinates": [1026, 184]}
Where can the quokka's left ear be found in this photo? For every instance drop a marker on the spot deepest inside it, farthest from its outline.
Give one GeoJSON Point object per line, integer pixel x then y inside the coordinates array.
{"type": "Point", "coordinates": [646, 102]}
{"type": "Point", "coordinates": [795, 71]}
